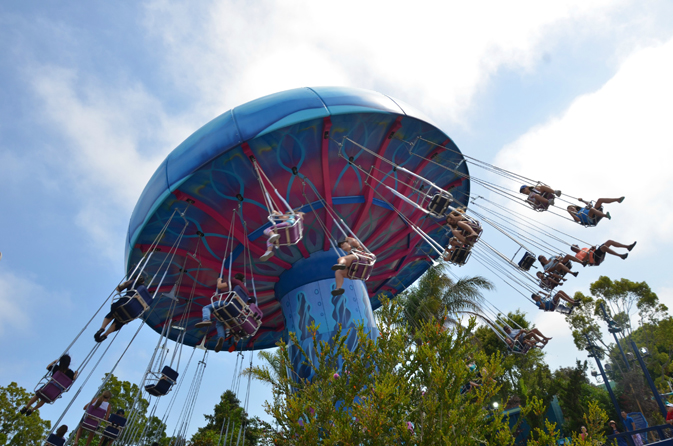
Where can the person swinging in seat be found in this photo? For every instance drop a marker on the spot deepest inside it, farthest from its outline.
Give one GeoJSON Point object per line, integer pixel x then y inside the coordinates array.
{"type": "Point", "coordinates": [289, 219]}
{"type": "Point", "coordinates": [592, 213]}
{"type": "Point", "coordinates": [238, 284]}
{"type": "Point", "coordinates": [595, 255]}
{"type": "Point", "coordinates": [526, 336]}
{"type": "Point", "coordinates": [456, 252]}
{"type": "Point", "coordinates": [549, 281]}
{"type": "Point", "coordinates": [60, 365]}
{"type": "Point", "coordinates": [467, 231]}
{"type": "Point", "coordinates": [557, 264]}
{"type": "Point", "coordinates": [99, 336]}
{"type": "Point", "coordinates": [551, 304]}
{"type": "Point", "coordinates": [352, 248]}
{"type": "Point", "coordinates": [540, 197]}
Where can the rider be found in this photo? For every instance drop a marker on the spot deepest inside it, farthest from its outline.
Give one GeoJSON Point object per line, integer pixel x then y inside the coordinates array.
{"type": "Point", "coordinates": [272, 234]}
{"type": "Point", "coordinates": [592, 213]}
{"type": "Point", "coordinates": [129, 285]}
{"type": "Point", "coordinates": [595, 255]}
{"type": "Point", "coordinates": [349, 244]}
{"type": "Point", "coordinates": [551, 304]}
{"type": "Point", "coordinates": [549, 280]}
{"type": "Point", "coordinates": [557, 264]}
{"type": "Point", "coordinates": [464, 229]}
{"type": "Point", "coordinates": [222, 287]}
{"type": "Point", "coordinates": [540, 196]}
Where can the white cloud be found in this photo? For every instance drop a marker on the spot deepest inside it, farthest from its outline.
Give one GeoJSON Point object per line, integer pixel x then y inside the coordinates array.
{"type": "Point", "coordinates": [15, 292]}
{"type": "Point", "coordinates": [436, 56]}
{"type": "Point", "coordinates": [114, 137]}
{"type": "Point", "coordinates": [613, 142]}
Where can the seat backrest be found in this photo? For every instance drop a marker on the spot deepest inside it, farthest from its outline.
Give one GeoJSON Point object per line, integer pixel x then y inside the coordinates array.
{"type": "Point", "coordinates": [62, 380]}
{"type": "Point", "coordinates": [255, 309]}
{"type": "Point", "coordinates": [129, 310]}
{"type": "Point", "coordinates": [169, 373]}
{"type": "Point", "coordinates": [560, 308]}
{"type": "Point", "coordinates": [290, 235]}
{"type": "Point", "coordinates": [117, 420]}
{"type": "Point", "coordinates": [58, 383]}
{"type": "Point", "coordinates": [160, 388]}
{"type": "Point", "coordinates": [527, 262]}
{"type": "Point", "coordinates": [55, 440]}
{"type": "Point", "coordinates": [111, 432]}
{"type": "Point", "coordinates": [144, 294]}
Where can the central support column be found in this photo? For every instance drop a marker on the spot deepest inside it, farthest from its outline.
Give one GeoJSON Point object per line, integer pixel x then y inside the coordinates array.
{"type": "Point", "coordinates": [306, 292]}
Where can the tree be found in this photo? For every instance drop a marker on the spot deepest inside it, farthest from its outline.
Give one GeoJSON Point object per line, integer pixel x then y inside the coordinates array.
{"type": "Point", "coordinates": [146, 430]}
{"type": "Point", "coordinates": [436, 295]}
{"type": "Point", "coordinates": [576, 395]}
{"type": "Point", "coordinates": [15, 428]}
{"type": "Point", "coordinates": [524, 375]}
{"type": "Point", "coordinates": [272, 372]}
{"type": "Point", "coordinates": [229, 421]}
{"type": "Point", "coordinates": [405, 387]}
{"type": "Point", "coordinates": [620, 298]}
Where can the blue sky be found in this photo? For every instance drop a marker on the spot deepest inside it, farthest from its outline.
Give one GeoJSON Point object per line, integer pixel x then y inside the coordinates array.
{"type": "Point", "coordinates": [95, 95]}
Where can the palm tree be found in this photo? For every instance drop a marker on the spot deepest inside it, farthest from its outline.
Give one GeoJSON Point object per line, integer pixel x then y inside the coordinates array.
{"type": "Point", "coordinates": [272, 372]}
{"type": "Point", "coordinates": [437, 295]}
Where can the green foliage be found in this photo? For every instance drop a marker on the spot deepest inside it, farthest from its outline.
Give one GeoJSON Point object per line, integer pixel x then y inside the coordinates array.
{"type": "Point", "coordinates": [437, 296]}
{"type": "Point", "coordinates": [524, 376]}
{"type": "Point", "coordinates": [229, 418]}
{"type": "Point", "coordinates": [409, 375]}
{"type": "Point", "coordinates": [594, 420]}
{"type": "Point", "coordinates": [15, 428]}
{"type": "Point", "coordinates": [123, 395]}
{"type": "Point", "coordinates": [545, 435]}
{"type": "Point", "coordinates": [576, 395]}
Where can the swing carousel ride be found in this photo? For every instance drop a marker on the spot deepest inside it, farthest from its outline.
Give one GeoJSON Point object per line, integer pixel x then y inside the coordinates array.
{"type": "Point", "coordinates": [343, 158]}
{"type": "Point", "coordinates": [246, 220]}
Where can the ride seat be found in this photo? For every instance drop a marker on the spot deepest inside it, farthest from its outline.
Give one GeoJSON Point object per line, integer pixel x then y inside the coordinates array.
{"type": "Point", "coordinates": [362, 266]}
{"type": "Point", "coordinates": [253, 321]}
{"type": "Point", "coordinates": [539, 206]}
{"type": "Point", "coordinates": [563, 309]}
{"type": "Point", "coordinates": [164, 383]}
{"type": "Point", "coordinates": [115, 427]}
{"type": "Point", "coordinates": [137, 304]}
{"type": "Point", "coordinates": [439, 204]}
{"type": "Point", "coordinates": [460, 255]}
{"type": "Point", "coordinates": [92, 418]}
{"type": "Point", "coordinates": [230, 309]}
{"type": "Point", "coordinates": [52, 390]}
{"type": "Point", "coordinates": [55, 440]}
{"type": "Point", "coordinates": [289, 235]}
{"type": "Point", "coordinates": [527, 262]}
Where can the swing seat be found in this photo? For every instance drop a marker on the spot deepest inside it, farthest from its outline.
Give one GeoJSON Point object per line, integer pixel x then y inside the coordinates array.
{"type": "Point", "coordinates": [230, 309]}
{"type": "Point", "coordinates": [520, 349]}
{"type": "Point", "coordinates": [55, 440]}
{"type": "Point", "coordinates": [539, 207]}
{"type": "Point", "coordinates": [253, 321]}
{"type": "Point", "coordinates": [439, 204]}
{"type": "Point", "coordinates": [164, 383]}
{"type": "Point", "coordinates": [527, 262]}
{"type": "Point", "coordinates": [362, 266]}
{"type": "Point", "coordinates": [93, 418]}
{"type": "Point", "coordinates": [137, 304]}
{"type": "Point", "coordinates": [52, 390]}
{"type": "Point", "coordinates": [116, 425]}
{"type": "Point", "coordinates": [564, 309]}
{"type": "Point", "coordinates": [289, 234]}
{"type": "Point", "coordinates": [459, 255]}
{"type": "Point", "coordinates": [546, 285]}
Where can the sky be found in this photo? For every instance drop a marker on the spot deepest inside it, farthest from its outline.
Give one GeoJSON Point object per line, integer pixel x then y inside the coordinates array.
{"type": "Point", "coordinates": [95, 95]}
